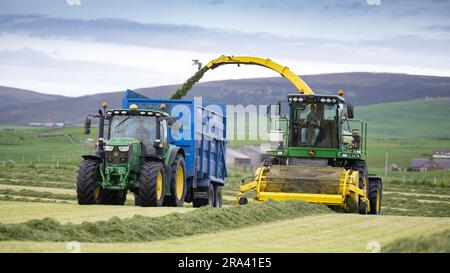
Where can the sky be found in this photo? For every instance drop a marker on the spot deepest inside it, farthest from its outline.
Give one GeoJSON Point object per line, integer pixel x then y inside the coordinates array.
{"type": "Point", "coordinates": [80, 47]}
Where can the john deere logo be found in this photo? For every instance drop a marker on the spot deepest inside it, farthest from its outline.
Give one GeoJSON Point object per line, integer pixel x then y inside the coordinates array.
{"type": "Point", "coordinates": [311, 152]}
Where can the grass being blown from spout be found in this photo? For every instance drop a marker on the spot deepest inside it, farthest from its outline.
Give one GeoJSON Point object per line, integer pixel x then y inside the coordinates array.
{"type": "Point", "coordinates": [184, 89]}
{"type": "Point", "coordinates": [140, 228]}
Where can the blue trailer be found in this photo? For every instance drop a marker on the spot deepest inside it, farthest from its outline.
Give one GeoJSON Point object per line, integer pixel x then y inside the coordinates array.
{"type": "Point", "coordinates": [200, 130]}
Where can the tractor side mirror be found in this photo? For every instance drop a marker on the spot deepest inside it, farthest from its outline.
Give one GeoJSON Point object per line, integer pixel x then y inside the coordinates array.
{"type": "Point", "coordinates": [171, 120]}
{"type": "Point", "coordinates": [87, 126]}
{"type": "Point", "coordinates": [269, 106]}
{"type": "Point", "coordinates": [350, 110]}
{"type": "Point", "coordinates": [157, 144]}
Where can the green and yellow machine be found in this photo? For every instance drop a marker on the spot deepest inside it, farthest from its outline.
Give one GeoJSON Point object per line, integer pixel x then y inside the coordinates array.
{"type": "Point", "coordinates": [134, 155]}
{"type": "Point", "coordinates": [318, 150]}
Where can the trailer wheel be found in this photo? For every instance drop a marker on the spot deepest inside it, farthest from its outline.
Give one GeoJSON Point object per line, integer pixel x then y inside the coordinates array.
{"type": "Point", "coordinates": [218, 196]}
{"type": "Point", "coordinates": [208, 201]}
{"type": "Point", "coordinates": [87, 176]}
{"type": "Point", "coordinates": [177, 183]}
{"type": "Point", "coordinates": [113, 197]}
{"type": "Point", "coordinates": [375, 195]}
{"type": "Point", "coordinates": [151, 185]}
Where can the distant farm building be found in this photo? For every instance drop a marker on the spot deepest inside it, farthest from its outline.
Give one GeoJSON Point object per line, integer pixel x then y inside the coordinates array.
{"type": "Point", "coordinates": [429, 164]}
{"type": "Point", "coordinates": [237, 159]}
{"type": "Point", "coordinates": [47, 124]}
{"type": "Point", "coordinates": [441, 154]}
{"type": "Point", "coordinates": [257, 154]}
{"type": "Point", "coordinates": [89, 142]}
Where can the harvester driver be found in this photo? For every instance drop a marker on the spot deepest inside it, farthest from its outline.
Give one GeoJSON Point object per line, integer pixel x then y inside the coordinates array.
{"type": "Point", "coordinates": [313, 122]}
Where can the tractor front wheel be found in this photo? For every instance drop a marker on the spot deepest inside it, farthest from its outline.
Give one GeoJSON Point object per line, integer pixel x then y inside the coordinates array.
{"type": "Point", "coordinates": [87, 177]}
{"type": "Point", "coordinates": [151, 185]}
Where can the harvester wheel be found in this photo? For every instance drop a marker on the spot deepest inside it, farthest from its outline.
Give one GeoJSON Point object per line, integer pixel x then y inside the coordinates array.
{"type": "Point", "coordinates": [113, 197]}
{"type": "Point", "coordinates": [243, 200]}
{"type": "Point", "coordinates": [87, 176]}
{"type": "Point", "coordinates": [362, 169]}
{"type": "Point", "coordinates": [217, 196]}
{"type": "Point", "coordinates": [375, 195]}
{"type": "Point", "coordinates": [151, 184]}
{"type": "Point", "coordinates": [177, 183]}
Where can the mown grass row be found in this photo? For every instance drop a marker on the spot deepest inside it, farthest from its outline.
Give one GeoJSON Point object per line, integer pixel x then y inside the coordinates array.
{"type": "Point", "coordinates": [417, 196]}
{"type": "Point", "coordinates": [38, 194]}
{"type": "Point", "coordinates": [437, 242]}
{"type": "Point", "coordinates": [140, 228]}
{"type": "Point", "coordinates": [32, 183]}
{"type": "Point", "coordinates": [409, 206]}
{"type": "Point", "coordinates": [26, 174]}
{"type": "Point", "coordinates": [29, 199]}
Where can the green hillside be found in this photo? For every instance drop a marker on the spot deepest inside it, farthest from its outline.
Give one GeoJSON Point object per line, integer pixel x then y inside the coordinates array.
{"type": "Point", "coordinates": [429, 118]}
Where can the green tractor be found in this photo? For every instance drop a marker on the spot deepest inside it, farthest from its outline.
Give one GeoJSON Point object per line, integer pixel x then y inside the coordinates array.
{"type": "Point", "coordinates": [134, 155]}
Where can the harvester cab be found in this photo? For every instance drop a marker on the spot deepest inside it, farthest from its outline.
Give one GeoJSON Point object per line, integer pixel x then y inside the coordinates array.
{"type": "Point", "coordinates": [133, 155]}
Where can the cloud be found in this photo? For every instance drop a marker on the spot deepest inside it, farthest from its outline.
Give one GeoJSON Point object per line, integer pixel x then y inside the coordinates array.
{"type": "Point", "coordinates": [438, 28]}
{"type": "Point", "coordinates": [75, 56]}
{"type": "Point", "coordinates": [216, 2]}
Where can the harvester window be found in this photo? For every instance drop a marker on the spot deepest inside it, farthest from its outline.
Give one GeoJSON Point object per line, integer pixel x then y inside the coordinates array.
{"type": "Point", "coordinates": [314, 125]}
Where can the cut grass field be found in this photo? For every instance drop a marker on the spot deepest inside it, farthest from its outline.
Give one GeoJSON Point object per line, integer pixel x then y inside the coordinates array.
{"type": "Point", "coordinates": [51, 180]}
{"type": "Point", "coordinates": [17, 212]}
{"type": "Point", "coordinates": [319, 233]}
{"type": "Point", "coordinates": [435, 242]}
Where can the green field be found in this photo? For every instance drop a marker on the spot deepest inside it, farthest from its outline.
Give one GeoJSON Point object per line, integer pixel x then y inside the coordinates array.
{"type": "Point", "coordinates": [426, 119]}
{"type": "Point", "coordinates": [37, 198]}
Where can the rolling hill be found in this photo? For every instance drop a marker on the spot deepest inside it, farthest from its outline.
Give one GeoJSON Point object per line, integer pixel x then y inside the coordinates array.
{"type": "Point", "coordinates": [425, 118]}
{"type": "Point", "coordinates": [15, 96]}
{"type": "Point", "coordinates": [361, 89]}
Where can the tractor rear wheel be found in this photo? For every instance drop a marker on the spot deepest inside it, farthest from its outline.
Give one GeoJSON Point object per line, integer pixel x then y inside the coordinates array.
{"type": "Point", "coordinates": [151, 185]}
{"type": "Point", "coordinates": [177, 183]}
{"type": "Point", "coordinates": [87, 176]}
{"type": "Point", "coordinates": [375, 195]}
{"type": "Point", "coordinates": [113, 197]}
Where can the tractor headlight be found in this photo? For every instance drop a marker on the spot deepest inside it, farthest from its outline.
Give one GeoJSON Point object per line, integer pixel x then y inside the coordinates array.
{"type": "Point", "coordinates": [294, 99]}
{"type": "Point", "coordinates": [322, 100]}
{"type": "Point", "coordinates": [124, 148]}
{"type": "Point", "coordinates": [300, 99]}
{"type": "Point", "coordinates": [109, 148]}
{"type": "Point", "coordinates": [328, 100]}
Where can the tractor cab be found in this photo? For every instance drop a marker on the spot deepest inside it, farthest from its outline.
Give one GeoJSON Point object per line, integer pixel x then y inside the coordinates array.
{"type": "Point", "coordinates": [127, 127]}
